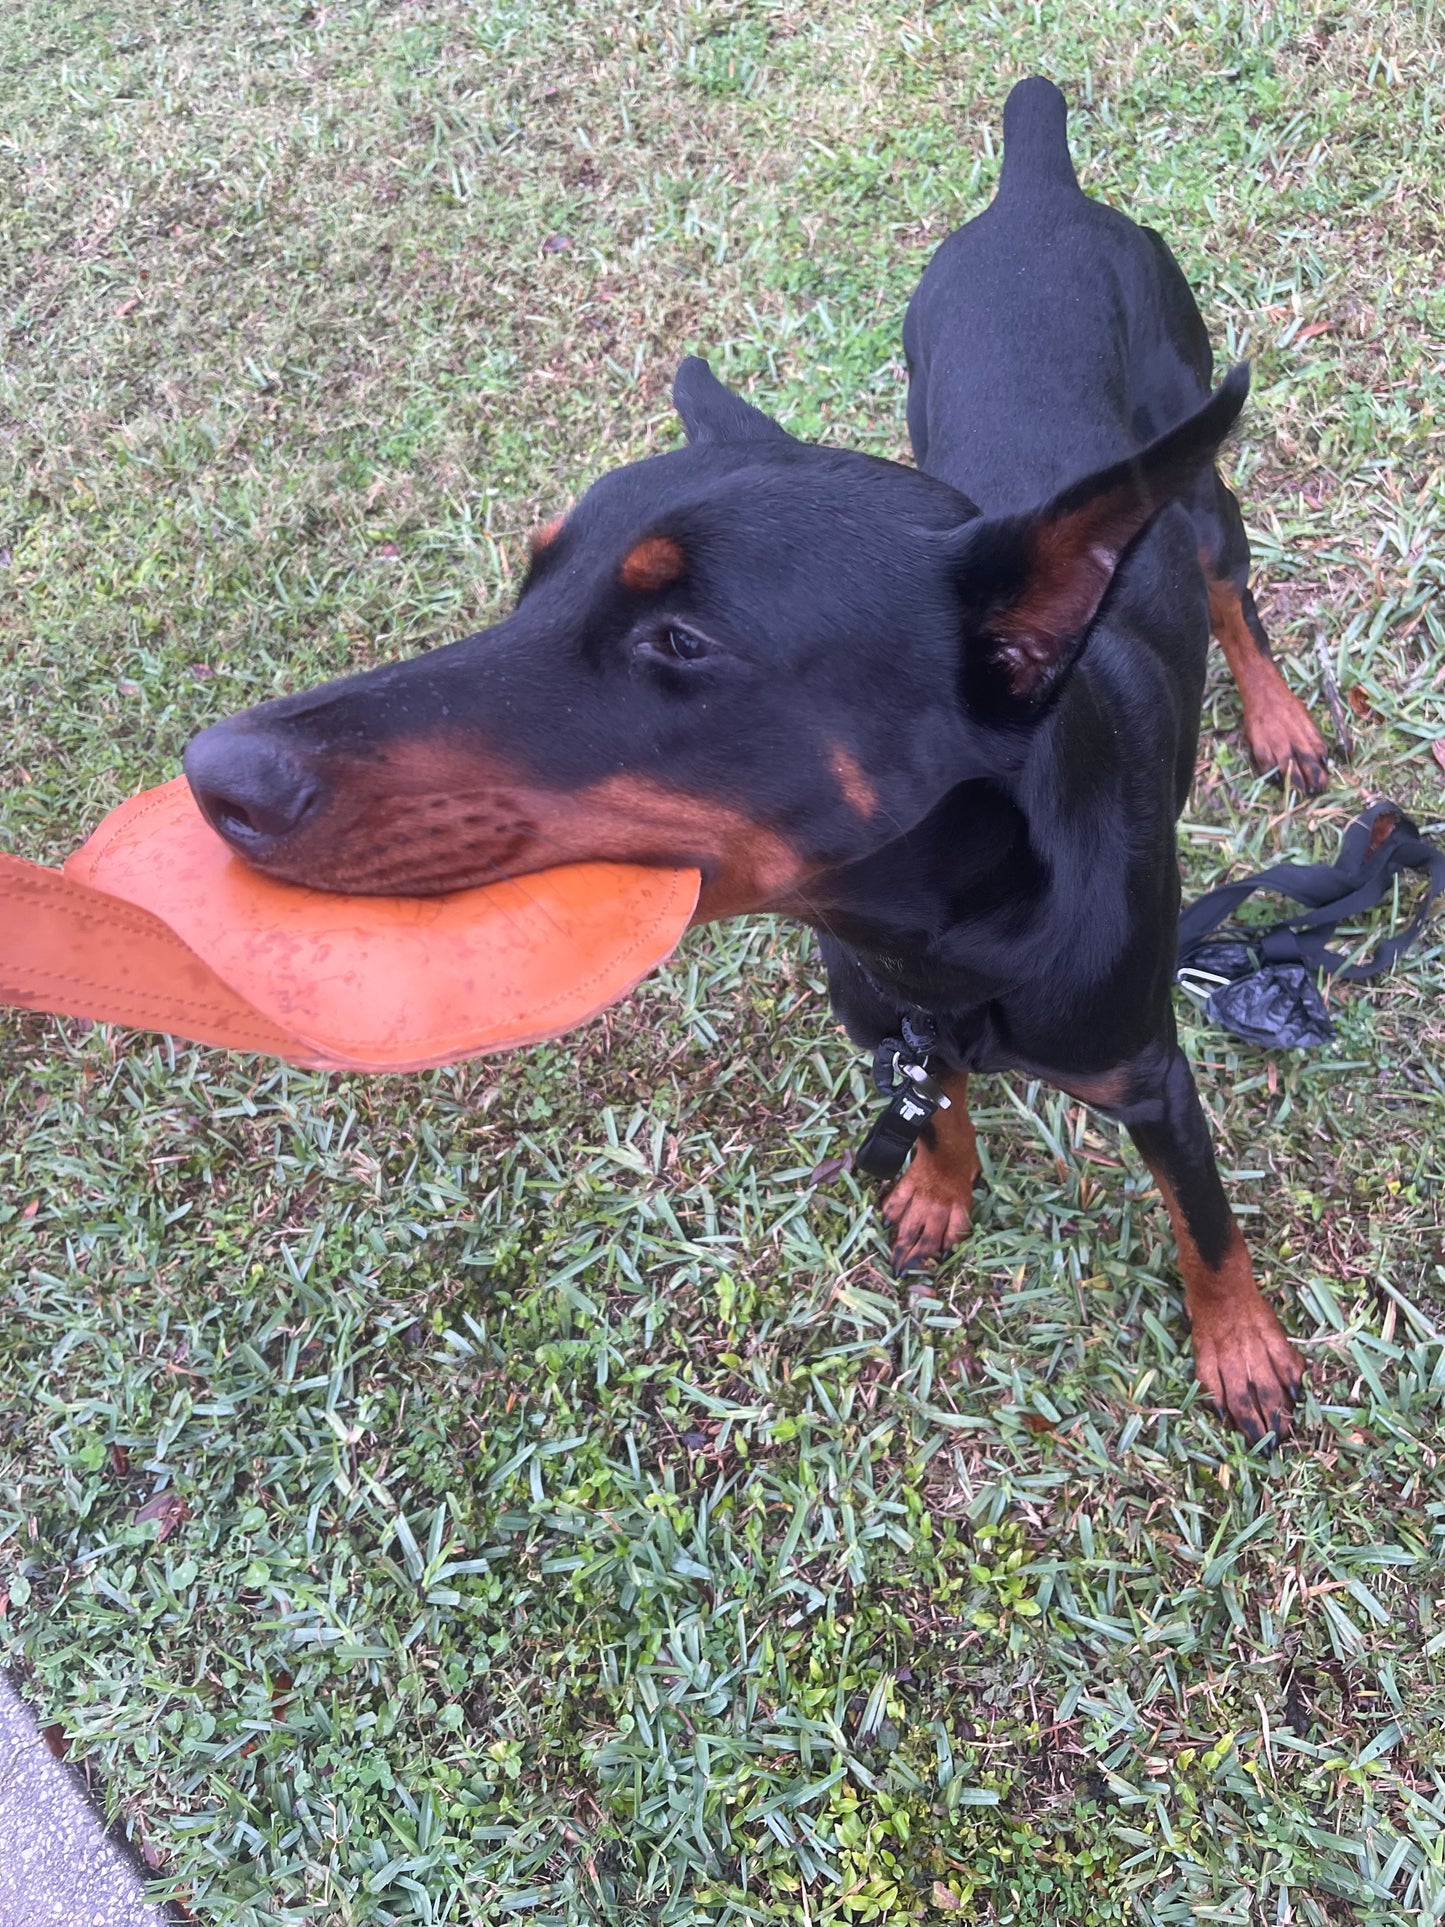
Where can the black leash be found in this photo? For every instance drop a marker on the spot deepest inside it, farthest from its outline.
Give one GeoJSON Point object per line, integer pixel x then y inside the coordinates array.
{"type": "Point", "coordinates": [1258, 983]}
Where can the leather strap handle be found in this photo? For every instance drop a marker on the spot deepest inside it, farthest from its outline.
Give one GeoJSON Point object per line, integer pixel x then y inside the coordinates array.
{"type": "Point", "coordinates": [73, 951]}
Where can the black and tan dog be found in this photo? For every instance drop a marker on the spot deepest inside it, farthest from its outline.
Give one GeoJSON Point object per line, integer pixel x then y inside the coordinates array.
{"type": "Point", "coordinates": [945, 715]}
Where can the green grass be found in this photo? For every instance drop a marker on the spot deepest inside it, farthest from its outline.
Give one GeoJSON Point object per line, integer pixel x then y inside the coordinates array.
{"type": "Point", "coordinates": [579, 1524]}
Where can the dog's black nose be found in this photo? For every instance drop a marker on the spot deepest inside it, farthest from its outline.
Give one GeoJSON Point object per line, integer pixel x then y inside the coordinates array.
{"type": "Point", "coordinates": [249, 785]}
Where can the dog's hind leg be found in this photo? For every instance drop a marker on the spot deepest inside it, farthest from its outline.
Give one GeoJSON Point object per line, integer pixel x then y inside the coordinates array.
{"type": "Point", "coordinates": [1278, 728]}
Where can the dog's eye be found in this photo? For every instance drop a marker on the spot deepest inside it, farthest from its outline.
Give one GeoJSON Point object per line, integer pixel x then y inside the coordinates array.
{"type": "Point", "coordinates": [681, 645]}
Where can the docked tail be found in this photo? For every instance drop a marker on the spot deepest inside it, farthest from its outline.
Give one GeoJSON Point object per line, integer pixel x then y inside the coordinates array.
{"type": "Point", "coordinates": [1035, 140]}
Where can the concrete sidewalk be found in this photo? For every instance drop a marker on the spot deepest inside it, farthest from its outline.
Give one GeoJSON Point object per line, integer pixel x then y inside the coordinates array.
{"type": "Point", "coordinates": [57, 1867]}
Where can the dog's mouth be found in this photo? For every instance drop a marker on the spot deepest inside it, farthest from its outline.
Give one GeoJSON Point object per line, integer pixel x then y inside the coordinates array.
{"type": "Point", "coordinates": [392, 823]}
{"type": "Point", "coordinates": [412, 846]}
{"type": "Point", "coordinates": [385, 825]}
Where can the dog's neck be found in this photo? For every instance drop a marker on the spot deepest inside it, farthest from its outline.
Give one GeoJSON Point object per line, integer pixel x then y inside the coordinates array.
{"type": "Point", "coordinates": [938, 914]}
{"type": "Point", "coordinates": [961, 908]}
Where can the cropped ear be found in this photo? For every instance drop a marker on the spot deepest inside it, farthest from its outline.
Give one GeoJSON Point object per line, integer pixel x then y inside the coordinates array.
{"type": "Point", "coordinates": [712, 413]}
{"type": "Point", "coordinates": [1032, 584]}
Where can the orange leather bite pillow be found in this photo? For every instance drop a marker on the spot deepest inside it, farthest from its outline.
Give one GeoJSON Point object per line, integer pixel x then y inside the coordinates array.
{"type": "Point", "coordinates": [155, 924]}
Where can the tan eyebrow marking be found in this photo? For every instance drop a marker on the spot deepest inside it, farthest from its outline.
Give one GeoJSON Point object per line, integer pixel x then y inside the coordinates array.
{"type": "Point", "coordinates": [654, 562]}
{"type": "Point", "coordinates": [858, 793]}
{"type": "Point", "coordinates": [543, 537]}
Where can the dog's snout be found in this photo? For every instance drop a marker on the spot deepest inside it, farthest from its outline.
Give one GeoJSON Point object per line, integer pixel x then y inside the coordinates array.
{"type": "Point", "coordinates": [250, 786]}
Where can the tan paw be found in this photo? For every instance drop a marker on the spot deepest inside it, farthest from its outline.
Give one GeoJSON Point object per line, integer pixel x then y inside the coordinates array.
{"type": "Point", "coordinates": [926, 1219]}
{"type": "Point", "coordinates": [1282, 736]}
{"type": "Point", "coordinates": [1249, 1369]}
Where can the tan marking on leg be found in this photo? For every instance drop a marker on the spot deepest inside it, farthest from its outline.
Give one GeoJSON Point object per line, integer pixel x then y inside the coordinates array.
{"type": "Point", "coordinates": [858, 793]}
{"type": "Point", "coordinates": [1278, 728]}
{"type": "Point", "coordinates": [929, 1209]}
{"type": "Point", "coordinates": [1106, 1089]}
{"type": "Point", "coordinates": [1242, 1358]}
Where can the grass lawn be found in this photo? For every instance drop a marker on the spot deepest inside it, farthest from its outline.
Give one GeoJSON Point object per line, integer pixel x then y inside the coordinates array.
{"type": "Point", "coordinates": [570, 1520]}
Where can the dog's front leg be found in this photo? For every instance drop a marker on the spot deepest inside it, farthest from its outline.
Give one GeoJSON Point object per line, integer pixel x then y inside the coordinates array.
{"type": "Point", "coordinates": [1241, 1355]}
{"type": "Point", "coordinates": [930, 1207]}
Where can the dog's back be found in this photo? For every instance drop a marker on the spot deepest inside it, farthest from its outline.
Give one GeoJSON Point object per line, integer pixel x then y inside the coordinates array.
{"type": "Point", "coordinates": [1051, 334]}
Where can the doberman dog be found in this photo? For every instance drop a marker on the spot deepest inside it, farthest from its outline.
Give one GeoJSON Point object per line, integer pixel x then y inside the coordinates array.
{"type": "Point", "coordinates": [946, 715]}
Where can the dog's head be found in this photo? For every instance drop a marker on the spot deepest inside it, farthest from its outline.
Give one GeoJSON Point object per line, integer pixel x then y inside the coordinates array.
{"type": "Point", "coordinates": [753, 655]}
